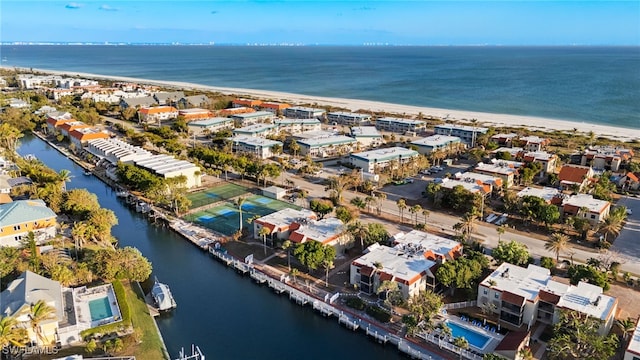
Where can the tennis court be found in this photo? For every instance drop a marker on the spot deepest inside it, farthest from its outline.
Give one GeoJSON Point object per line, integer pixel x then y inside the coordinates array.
{"type": "Point", "coordinates": [215, 194]}
{"type": "Point", "coordinates": [225, 218]}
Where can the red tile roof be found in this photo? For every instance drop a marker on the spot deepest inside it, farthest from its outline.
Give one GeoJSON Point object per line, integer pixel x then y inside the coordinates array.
{"type": "Point", "coordinates": [512, 298]}
{"type": "Point", "coordinates": [574, 173]}
{"type": "Point", "coordinates": [512, 341]}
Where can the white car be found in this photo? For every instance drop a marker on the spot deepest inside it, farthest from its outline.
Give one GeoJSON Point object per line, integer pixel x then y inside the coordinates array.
{"type": "Point", "coordinates": [408, 180]}
{"type": "Point", "coordinates": [629, 212]}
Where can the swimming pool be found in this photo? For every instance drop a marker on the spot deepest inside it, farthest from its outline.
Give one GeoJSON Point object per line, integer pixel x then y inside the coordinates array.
{"type": "Point", "coordinates": [474, 338]}
{"type": "Point", "coordinates": [100, 309]}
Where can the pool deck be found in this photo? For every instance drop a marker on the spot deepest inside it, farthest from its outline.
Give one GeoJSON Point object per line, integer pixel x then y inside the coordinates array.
{"type": "Point", "coordinates": [494, 338]}
{"type": "Point", "coordinates": [83, 295]}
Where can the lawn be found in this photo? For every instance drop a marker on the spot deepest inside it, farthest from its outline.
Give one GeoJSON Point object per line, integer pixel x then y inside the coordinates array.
{"type": "Point", "coordinates": [150, 345]}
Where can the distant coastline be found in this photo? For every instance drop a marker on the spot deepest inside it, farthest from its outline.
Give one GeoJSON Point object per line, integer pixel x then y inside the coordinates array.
{"type": "Point", "coordinates": [483, 118]}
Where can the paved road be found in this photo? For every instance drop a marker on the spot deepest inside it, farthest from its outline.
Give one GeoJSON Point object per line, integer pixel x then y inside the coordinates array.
{"type": "Point", "coordinates": [487, 233]}
{"type": "Point", "coordinates": [628, 242]}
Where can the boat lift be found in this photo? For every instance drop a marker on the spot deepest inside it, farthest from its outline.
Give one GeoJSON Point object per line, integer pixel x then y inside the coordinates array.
{"type": "Point", "coordinates": [196, 354]}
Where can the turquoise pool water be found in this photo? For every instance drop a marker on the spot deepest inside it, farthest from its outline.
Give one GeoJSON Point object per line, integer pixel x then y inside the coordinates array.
{"type": "Point", "coordinates": [100, 309]}
{"type": "Point", "coordinates": [474, 338]}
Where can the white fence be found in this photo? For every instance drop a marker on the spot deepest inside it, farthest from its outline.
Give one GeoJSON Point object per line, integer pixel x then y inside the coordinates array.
{"type": "Point", "coordinates": [460, 305]}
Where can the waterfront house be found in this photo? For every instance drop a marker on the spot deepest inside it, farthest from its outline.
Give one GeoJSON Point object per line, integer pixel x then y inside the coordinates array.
{"type": "Point", "coordinates": [137, 102]}
{"type": "Point", "coordinates": [273, 107]}
{"type": "Point", "coordinates": [367, 136]}
{"type": "Point", "coordinates": [68, 126]}
{"type": "Point", "coordinates": [348, 118]}
{"type": "Point", "coordinates": [55, 119]}
{"type": "Point", "coordinates": [250, 103]}
{"type": "Point", "coordinates": [253, 117]}
{"type": "Point", "coordinates": [433, 143]}
{"type": "Point", "coordinates": [468, 134]}
{"type": "Point", "coordinates": [282, 223]}
{"type": "Point", "coordinates": [195, 114]}
{"type": "Point", "coordinates": [194, 101]}
{"type": "Point", "coordinates": [296, 126]}
{"type": "Point", "coordinates": [209, 126]}
{"type": "Point", "coordinates": [373, 161]}
{"type": "Point", "coordinates": [523, 296]}
{"type": "Point", "coordinates": [575, 176]}
{"type": "Point", "coordinates": [256, 130]}
{"type": "Point", "coordinates": [299, 112]}
{"type": "Point", "coordinates": [328, 231]}
{"type": "Point", "coordinates": [411, 263]}
{"type": "Point", "coordinates": [606, 157]}
{"type": "Point", "coordinates": [504, 139]}
{"type": "Point", "coordinates": [260, 147]}
{"type": "Point", "coordinates": [80, 137]}
{"type": "Point", "coordinates": [504, 169]}
{"type": "Point", "coordinates": [20, 217]}
{"type": "Point", "coordinates": [549, 195]}
{"type": "Point", "coordinates": [633, 349]}
{"type": "Point", "coordinates": [586, 206]}
{"type": "Point", "coordinates": [401, 126]}
{"type": "Point", "coordinates": [326, 146]}
{"type": "Point", "coordinates": [168, 98]}
{"type": "Point", "coordinates": [24, 292]}
{"type": "Point", "coordinates": [155, 114]}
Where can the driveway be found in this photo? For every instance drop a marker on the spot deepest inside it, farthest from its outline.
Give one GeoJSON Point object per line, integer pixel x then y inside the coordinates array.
{"type": "Point", "coordinates": [628, 242]}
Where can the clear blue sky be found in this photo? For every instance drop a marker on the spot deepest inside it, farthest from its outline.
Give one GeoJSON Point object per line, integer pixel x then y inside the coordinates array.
{"type": "Point", "coordinates": [325, 22]}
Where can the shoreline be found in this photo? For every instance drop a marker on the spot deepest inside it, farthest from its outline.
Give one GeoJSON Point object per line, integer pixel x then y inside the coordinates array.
{"type": "Point", "coordinates": [532, 123]}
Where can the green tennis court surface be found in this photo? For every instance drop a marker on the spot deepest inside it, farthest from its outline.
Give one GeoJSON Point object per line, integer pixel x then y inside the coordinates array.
{"type": "Point", "coordinates": [215, 194]}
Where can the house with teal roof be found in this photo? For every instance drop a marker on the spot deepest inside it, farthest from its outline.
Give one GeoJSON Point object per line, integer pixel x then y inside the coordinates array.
{"type": "Point", "coordinates": [19, 217]}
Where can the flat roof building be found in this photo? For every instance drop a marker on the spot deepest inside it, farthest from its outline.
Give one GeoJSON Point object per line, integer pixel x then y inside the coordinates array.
{"type": "Point", "coordinates": [327, 231]}
{"type": "Point", "coordinates": [167, 166]}
{"type": "Point", "coordinates": [596, 210]}
{"type": "Point", "coordinates": [546, 193]}
{"type": "Point", "coordinates": [435, 143]}
{"type": "Point", "coordinates": [282, 223]}
{"type": "Point", "coordinates": [201, 127]}
{"type": "Point", "coordinates": [504, 169]}
{"type": "Point", "coordinates": [495, 183]}
{"type": "Point", "coordinates": [399, 125]}
{"type": "Point", "coordinates": [296, 126]}
{"type": "Point", "coordinates": [374, 160]}
{"type": "Point", "coordinates": [326, 146]}
{"type": "Point", "coordinates": [299, 112]}
{"type": "Point", "coordinates": [367, 136]}
{"type": "Point", "coordinates": [253, 117]}
{"type": "Point", "coordinates": [633, 349]}
{"type": "Point", "coordinates": [260, 147]}
{"type": "Point", "coordinates": [468, 134]}
{"type": "Point", "coordinates": [256, 130]}
{"type": "Point", "coordinates": [348, 118]}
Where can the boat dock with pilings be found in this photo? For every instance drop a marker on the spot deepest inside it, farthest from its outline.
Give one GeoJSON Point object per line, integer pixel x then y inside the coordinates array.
{"type": "Point", "coordinates": [325, 306]}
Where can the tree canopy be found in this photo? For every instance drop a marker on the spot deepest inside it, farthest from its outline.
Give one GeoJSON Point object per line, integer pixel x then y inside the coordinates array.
{"type": "Point", "coordinates": [511, 252]}
{"type": "Point", "coordinates": [576, 337]}
{"type": "Point", "coordinates": [314, 254]}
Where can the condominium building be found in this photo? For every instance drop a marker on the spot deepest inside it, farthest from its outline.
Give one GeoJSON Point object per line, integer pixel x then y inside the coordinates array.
{"type": "Point", "coordinates": [298, 112]}
{"type": "Point", "coordinates": [533, 143]}
{"type": "Point", "coordinates": [167, 166]}
{"type": "Point", "coordinates": [273, 107]}
{"type": "Point", "coordinates": [115, 151]}
{"type": "Point", "coordinates": [296, 126]}
{"type": "Point", "coordinates": [348, 118]}
{"type": "Point", "coordinates": [281, 223]}
{"type": "Point", "coordinates": [547, 160]}
{"type": "Point", "coordinates": [260, 147]}
{"type": "Point", "coordinates": [523, 296]}
{"type": "Point", "coordinates": [202, 127]}
{"type": "Point", "coordinates": [401, 126]}
{"type": "Point", "coordinates": [546, 193]}
{"type": "Point", "coordinates": [495, 183]}
{"type": "Point", "coordinates": [504, 169]}
{"type": "Point", "coordinates": [195, 114]}
{"type": "Point", "coordinates": [375, 160]}
{"type": "Point", "coordinates": [80, 137]}
{"type": "Point", "coordinates": [256, 130]}
{"type": "Point", "coordinates": [367, 136]}
{"type": "Point", "coordinates": [606, 157]}
{"type": "Point", "coordinates": [250, 103]}
{"type": "Point", "coordinates": [468, 134]}
{"type": "Point", "coordinates": [253, 117]}
{"type": "Point", "coordinates": [586, 206]}
{"type": "Point", "coordinates": [155, 114]}
{"type": "Point", "coordinates": [326, 146]}
{"type": "Point", "coordinates": [436, 143]}
{"type": "Point", "coordinates": [327, 231]}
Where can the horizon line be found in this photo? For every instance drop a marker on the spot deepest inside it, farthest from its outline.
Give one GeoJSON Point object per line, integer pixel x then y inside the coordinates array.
{"type": "Point", "coordinates": [284, 44]}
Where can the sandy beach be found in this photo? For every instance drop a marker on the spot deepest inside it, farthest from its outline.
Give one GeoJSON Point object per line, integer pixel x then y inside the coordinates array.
{"type": "Point", "coordinates": [487, 119]}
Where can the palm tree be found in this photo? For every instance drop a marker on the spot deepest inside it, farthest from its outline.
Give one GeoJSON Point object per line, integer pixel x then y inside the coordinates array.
{"type": "Point", "coordinates": [415, 210]}
{"type": "Point", "coordinates": [501, 230]}
{"type": "Point", "coordinates": [64, 176]}
{"type": "Point", "coordinates": [559, 243]}
{"type": "Point", "coordinates": [469, 221]}
{"type": "Point", "coordinates": [381, 198]}
{"type": "Point", "coordinates": [446, 330]}
{"type": "Point", "coordinates": [11, 334]}
{"type": "Point", "coordinates": [461, 343]}
{"type": "Point", "coordinates": [295, 272]}
{"type": "Point", "coordinates": [368, 201]}
{"type": "Point", "coordinates": [611, 225]}
{"type": "Point", "coordinates": [627, 326]}
{"type": "Point", "coordinates": [358, 231]}
{"type": "Point", "coordinates": [402, 205]}
{"type": "Point", "coordinates": [40, 312]}
{"type": "Point", "coordinates": [358, 202]}
{"type": "Point", "coordinates": [239, 201]}
{"type": "Point", "coordinates": [264, 231]}
{"type": "Point", "coordinates": [426, 214]}
{"type": "Point", "coordinates": [286, 245]}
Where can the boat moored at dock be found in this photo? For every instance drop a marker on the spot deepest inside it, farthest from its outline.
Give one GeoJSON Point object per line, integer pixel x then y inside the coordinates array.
{"type": "Point", "coordinates": [162, 296]}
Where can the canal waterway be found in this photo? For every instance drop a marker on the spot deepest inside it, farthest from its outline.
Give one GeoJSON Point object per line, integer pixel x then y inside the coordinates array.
{"type": "Point", "coordinates": [228, 316]}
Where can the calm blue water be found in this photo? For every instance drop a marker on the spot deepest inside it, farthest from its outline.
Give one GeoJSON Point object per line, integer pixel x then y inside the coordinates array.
{"type": "Point", "coordinates": [476, 339]}
{"type": "Point", "coordinates": [591, 84]}
{"type": "Point", "coordinates": [100, 309]}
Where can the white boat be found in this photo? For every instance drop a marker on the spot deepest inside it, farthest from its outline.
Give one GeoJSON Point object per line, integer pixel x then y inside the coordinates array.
{"type": "Point", "coordinates": [88, 173]}
{"type": "Point", "coordinates": [162, 296]}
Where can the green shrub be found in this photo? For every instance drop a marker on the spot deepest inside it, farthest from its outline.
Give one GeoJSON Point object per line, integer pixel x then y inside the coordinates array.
{"type": "Point", "coordinates": [546, 262]}
{"type": "Point", "coordinates": [378, 313]}
{"type": "Point", "coordinates": [355, 303]}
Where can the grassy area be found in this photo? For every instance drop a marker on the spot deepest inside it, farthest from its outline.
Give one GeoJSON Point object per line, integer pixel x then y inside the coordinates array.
{"type": "Point", "coordinates": [150, 345]}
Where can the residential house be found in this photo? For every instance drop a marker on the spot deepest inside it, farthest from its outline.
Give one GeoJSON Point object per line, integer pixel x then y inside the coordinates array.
{"type": "Point", "coordinates": [348, 118]}
{"type": "Point", "coordinates": [468, 134]}
{"type": "Point", "coordinates": [194, 101]}
{"type": "Point", "coordinates": [156, 114]}
{"type": "Point", "coordinates": [633, 349]}
{"type": "Point", "coordinates": [272, 107]}
{"type": "Point", "coordinates": [24, 292]}
{"type": "Point", "coordinates": [495, 183]}
{"type": "Point", "coordinates": [373, 161]}
{"type": "Point", "coordinates": [504, 139]}
{"type": "Point", "coordinates": [504, 169]}
{"type": "Point", "coordinates": [46, 110]}
{"type": "Point", "coordinates": [547, 160]}
{"type": "Point", "coordinates": [80, 137]}
{"type": "Point", "coordinates": [296, 126]}
{"type": "Point", "coordinates": [299, 112]}
{"type": "Point", "coordinates": [411, 262]}
{"type": "Point", "coordinates": [575, 176]}
{"type": "Point", "coordinates": [282, 223]}
{"type": "Point", "coordinates": [137, 102]}
{"type": "Point", "coordinates": [168, 98]}
{"type": "Point", "coordinates": [55, 119]}
{"type": "Point", "coordinates": [209, 126]}
{"type": "Point", "coordinates": [514, 152]}
{"type": "Point", "coordinates": [629, 181]}
{"type": "Point", "coordinates": [18, 103]}
{"type": "Point", "coordinates": [512, 344]}
{"type": "Point", "coordinates": [606, 157]}
{"type": "Point", "coordinates": [326, 146]}
{"type": "Point", "coordinates": [328, 231]}
{"type": "Point", "coordinates": [472, 186]}
{"type": "Point", "coordinates": [195, 114]}
{"type": "Point", "coordinates": [253, 117]}
{"type": "Point", "coordinates": [549, 195]}
{"type": "Point", "coordinates": [20, 217]}
{"type": "Point", "coordinates": [436, 143]}
{"type": "Point", "coordinates": [250, 103]}
{"type": "Point", "coordinates": [523, 296]}
{"type": "Point", "coordinates": [260, 147]}
{"type": "Point", "coordinates": [586, 206]}
{"type": "Point", "coordinates": [533, 143]}
{"type": "Point", "coordinates": [367, 136]}
{"type": "Point", "coordinates": [401, 126]}
{"type": "Point", "coordinates": [67, 127]}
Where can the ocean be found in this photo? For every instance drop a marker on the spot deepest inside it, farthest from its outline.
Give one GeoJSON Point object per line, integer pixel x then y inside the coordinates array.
{"type": "Point", "coordinates": [598, 85]}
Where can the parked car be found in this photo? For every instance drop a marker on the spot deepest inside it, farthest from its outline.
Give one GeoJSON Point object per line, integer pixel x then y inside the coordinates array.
{"type": "Point", "coordinates": [629, 212]}
{"type": "Point", "coordinates": [408, 181]}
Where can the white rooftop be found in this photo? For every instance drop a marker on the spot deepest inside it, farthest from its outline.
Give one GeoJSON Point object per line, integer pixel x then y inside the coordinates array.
{"type": "Point", "coordinates": [400, 120]}
{"type": "Point", "coordinates": [539, 155]}
{"type": "Point", "coordinates": [287, 216]}
{"type": "Point", "coordinates": [502, 168]}
{"type": "Point", "coordinates": [327, 140]}
{"type": "Point", "coordinates": [255, 128]}
{"type": "Point", "coordinates": [436, 140]}
{"type": "Point", "coordinates": [386, 154]}
{"type": "Point", "coordinates": [350, 114]}
{"type": "Point", "coordinates": [533, 139]}
{"type": "Point", "coordinates": [315, 134]}
{"type": "Point", "coordinates": [513, 151]}
{"type": "Point", "coordinates": [209, 122]}
{"type": "Point", "coordinates": [483, 178]}
{"type": "Point", "coordinates": [634, 342]}
{"type": "Point", "coordinates": [525, 282]}
{"type": "Point", "coordinates": [437, 244]}
{"type": "Point", "coordinates": [545, 193]}
{"type": "Point", "coordinates": [588, 299]}
{"type": "Point", "coordinates": [302, 108]}
{"type": "Point", "coordinates": [365, 131]}
{"type": "Point", "coordinates": [193, 111]}
{"type": "Point", "coordinates": [289, 121]}
{"type": "Point", "coordinates": [400, 263]}
{"type": "Point", "coordinates": [462, 127]}
{"type": "Point", "coordinates": [472, 186]}
{"type": "Point", "coordinates": [253, 141]}
{"type": "Point", "coordinates": [587, 201]}
{"type": "Point", "coordinates": [324, 230]}
{"type": "Point", "coordinates": [504, 136]}
{"type": "Point", "coordinates": [251, 114]}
